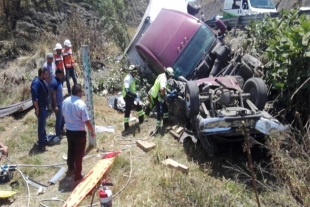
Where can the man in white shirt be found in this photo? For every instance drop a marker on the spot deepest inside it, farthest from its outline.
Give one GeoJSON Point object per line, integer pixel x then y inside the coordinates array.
{"type": "Point", "coordinates": [76, 115]}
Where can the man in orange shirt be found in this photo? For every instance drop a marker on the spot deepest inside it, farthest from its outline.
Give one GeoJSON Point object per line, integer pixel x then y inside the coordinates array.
{"type": "Point", "coordinates": [59, 62]}
{"type": "Point", "coordinates": [69, 64]}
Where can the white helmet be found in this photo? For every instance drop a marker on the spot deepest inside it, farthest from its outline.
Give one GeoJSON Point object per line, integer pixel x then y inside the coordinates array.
{"type": "Point", "coordinates": [67, 43]}
{"type": "Point", "coordinates": [133, 69]}
{"type": "Point", "coordinates": [170, 71]}
{"type": "Point", "coordinates": [58, 46]}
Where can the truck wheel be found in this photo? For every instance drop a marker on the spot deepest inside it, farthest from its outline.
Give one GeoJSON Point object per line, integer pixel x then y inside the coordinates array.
{"type": "Point", "coordinates": [191, 99]}
{"type": "Point", "coordinates": [193, 7]}
{"type": "Point", "coordinates": [244, 72]}
{"type": "Point", "coordinates": [258, 90]}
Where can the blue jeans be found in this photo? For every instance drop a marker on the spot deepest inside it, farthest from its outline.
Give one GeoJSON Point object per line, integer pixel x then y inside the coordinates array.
{"type": "Point", "coordinates": [41, 126]}
{"type": "Point", "coordinates": [70, 73]}
{"type": "Point", "coordinates": [59, 125]}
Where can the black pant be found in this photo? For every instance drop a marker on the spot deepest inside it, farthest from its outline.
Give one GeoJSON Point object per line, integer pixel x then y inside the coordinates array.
{"type": "Point", "coordinates": [164, 108]}
{"type": "Point", "coordinates": [129, 105]}
{"type": "Point", "coordinates": [76, 150]}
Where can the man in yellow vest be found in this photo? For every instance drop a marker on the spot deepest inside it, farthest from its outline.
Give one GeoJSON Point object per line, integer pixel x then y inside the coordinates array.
{"type": "Point", "coordinates": [157, 95]}
{"type": "Point", "coordinates": [129, 95]}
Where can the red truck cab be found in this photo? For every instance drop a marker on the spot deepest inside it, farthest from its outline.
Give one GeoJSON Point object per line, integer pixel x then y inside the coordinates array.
{"type": "Point", "coordinates": [178, 40]}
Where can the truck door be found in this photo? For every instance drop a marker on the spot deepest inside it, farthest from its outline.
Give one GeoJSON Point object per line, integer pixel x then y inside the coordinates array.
{"type": "Point", "coordinates": [232, 8]}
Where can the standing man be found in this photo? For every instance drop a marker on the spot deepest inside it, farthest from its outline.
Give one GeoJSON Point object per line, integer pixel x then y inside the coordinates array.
{"type": "Point", "coordinates": [50, 66]}
{"type": "Point", "coordinates": [39, 94]}
{"type": "Point", "coordinates": [57, 97]}
{"type": "Point", "coordinates": [202, 17]}
{"type": "Point", "coordinates": [59, 62]}
{"type": "Point", "coordinates": [157, 96]}
{"type": "Point", "coordinates": [69, 63]}
{"type": "Point", "coordinates": [75, 113]}
{"type": "Point", "coordinates": [129, 95]}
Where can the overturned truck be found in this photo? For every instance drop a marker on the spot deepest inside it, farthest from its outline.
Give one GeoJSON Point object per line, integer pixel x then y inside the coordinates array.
{"type": "Point", "coordinates": [215, 90]}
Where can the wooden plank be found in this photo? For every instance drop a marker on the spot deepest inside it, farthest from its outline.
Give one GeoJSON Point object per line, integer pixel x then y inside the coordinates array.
{"type": "Point", "coordinates": [174, 134]}
{"type": "Point", "coordinates": [145, 146]}
{"type": "Point", "coordinates": [175, 165]}
{"type": "Point", "coordinates": [180, 129]}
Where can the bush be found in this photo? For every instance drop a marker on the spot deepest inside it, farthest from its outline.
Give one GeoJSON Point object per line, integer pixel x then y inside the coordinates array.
{"type": "Point", "coordinates": [284, 44]}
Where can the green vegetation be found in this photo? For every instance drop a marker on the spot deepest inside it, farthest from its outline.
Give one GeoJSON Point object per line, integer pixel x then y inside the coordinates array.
{"type": "Point", "coordinates": [284, 44]}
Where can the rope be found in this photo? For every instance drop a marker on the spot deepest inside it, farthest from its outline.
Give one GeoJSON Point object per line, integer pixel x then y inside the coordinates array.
{"type": "Point", "coordinates": [26, 185]}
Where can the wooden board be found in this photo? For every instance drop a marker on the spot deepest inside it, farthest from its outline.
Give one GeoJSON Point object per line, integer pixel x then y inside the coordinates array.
{"type": "Point", "coordinates": [175, 165]}
{"type": "Point", "coordinates": [174, 134]}
{"type": "Point", "coordinates": [89, 182]}
{"type": "Point", "coordinates": [145, 146]}
{"type": "Point", "coordinates": [179, 130]}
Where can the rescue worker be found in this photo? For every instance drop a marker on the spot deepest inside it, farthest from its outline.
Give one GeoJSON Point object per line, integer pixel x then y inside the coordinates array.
{"type": "Point", "coordinates": [59, 62]}
{"type": "Point", "coordinates": [69, 64]}
{"type": "Point", "coordinates": [157, 95]}
{"type": "Point", "coordinates": [129, 95]}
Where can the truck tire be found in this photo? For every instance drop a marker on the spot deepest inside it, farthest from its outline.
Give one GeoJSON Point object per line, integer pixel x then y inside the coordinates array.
{"type": "Point", "coordinates": [258, 90]}
{"type": "Point", "coordinates": [191, 99]}
{"type": "Point", "coordinates": [193, 7]}
{"type": "Point", "coordinates": [244, 72]}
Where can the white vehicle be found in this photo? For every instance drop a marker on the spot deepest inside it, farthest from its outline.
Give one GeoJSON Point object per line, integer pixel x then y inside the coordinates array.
{"type": "Point", "coordinates": [233, 8]}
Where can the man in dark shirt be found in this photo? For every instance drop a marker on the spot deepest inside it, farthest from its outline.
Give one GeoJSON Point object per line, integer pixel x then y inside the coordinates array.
{"type": "Point", "coordinates": [57, 98]}
{"type": "Point", "coordinates": [39, 94]}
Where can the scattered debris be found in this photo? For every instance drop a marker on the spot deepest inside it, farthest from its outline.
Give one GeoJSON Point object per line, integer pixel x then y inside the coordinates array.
{"type": "Point", "coordinates": [179, 130]}
{"type": "Point", "coordinates": [175, 165]}
{"type": "Point", "coordinates": [36, 184]}
{"type": "Point", "coordinates": [99, 129]}
{"type": "Point", "coordinates": [145, 146]}
{"type": "Point", "coordinates": [174, 134]}
{"type": "Point", "coordinates": [58, 175]}
{"type": "Point", "coordinates": [40, 191]}
{"type": "Point", "coordinates": [6, 193]}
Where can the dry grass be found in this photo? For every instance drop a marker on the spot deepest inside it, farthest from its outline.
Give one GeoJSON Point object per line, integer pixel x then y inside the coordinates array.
{"type": "Point", "coordinates": [151, 183]}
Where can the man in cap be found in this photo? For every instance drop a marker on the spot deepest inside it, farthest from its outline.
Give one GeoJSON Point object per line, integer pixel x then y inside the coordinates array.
{"type": "Point", "coordinates": [50, 66]}
{"type": "Point", "coordinates": [157, 95]}
{"type": "Point", "coordinates": [69, 64]}
{"type": "Point", "coordinates": [129, 95]}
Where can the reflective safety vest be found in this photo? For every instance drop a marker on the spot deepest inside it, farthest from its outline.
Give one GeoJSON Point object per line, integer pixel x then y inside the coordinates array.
{"type": "Point", "coordinates": [59, 62]}
{"type": "Point", "coordinates": [129, 82]}
{"type": "Point", "coordinates": [68, 58]}
{"type": "Point", "coordinates": [161, 81]}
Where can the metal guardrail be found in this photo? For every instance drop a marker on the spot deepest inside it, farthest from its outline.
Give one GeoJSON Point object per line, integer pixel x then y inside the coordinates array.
{"type": "Point", "coordinates": [19, 107]}
{"type": "Point", "coordinates": [242, 21]}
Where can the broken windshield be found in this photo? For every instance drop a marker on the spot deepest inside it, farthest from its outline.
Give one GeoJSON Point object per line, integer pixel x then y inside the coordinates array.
{"type": "Point", "coordinates": [262, 4]}
{"type": "Point", "coordinates": [200, 43]}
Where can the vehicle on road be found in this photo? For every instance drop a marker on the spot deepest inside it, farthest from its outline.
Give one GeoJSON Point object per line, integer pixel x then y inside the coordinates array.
{"type": "Point", "coordinates": [234, 8]}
